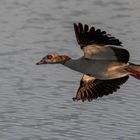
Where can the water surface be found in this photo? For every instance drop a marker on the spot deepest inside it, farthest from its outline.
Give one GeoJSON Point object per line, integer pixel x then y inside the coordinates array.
{"type": "Point", "coordinates": [36, 102]}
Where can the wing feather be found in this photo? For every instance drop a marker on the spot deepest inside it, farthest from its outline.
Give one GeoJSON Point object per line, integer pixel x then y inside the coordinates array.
{"type": "Point", "coordinates": [96, 44]}
{"type": "Point", "coordinates": [91, 88]}
{"type": "Point", "coordinates": [86, 36]}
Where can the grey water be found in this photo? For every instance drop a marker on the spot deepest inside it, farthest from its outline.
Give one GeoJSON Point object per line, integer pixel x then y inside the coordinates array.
{"type": "Point", "coordinates": [36, 101]}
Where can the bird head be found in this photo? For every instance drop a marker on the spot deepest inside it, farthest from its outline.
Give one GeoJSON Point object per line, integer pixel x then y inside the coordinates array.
{"type": "Point", "coordinates": [53, 58]}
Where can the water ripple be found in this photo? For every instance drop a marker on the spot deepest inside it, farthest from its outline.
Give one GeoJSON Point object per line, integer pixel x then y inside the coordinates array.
{"type": "Point", "coordinates": [36, 101]}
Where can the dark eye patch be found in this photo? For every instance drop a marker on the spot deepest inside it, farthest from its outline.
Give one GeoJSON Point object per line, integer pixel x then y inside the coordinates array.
{"type": "Point", "coordinates": [49, 56]}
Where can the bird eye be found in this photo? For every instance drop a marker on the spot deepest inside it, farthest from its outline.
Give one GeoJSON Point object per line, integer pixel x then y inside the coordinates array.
{"type": "Point", "coordinates": [49, 56]}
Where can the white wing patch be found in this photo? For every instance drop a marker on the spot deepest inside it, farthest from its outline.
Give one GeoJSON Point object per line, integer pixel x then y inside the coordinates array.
{"type": "Point", "coordinates": [98, 52]}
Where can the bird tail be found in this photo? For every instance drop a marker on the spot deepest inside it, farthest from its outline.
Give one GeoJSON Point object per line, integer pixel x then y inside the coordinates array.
{"type": "Point", "coordinates": [134, 70]}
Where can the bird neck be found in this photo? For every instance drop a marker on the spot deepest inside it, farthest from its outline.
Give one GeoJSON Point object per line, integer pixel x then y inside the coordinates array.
{"type": "Point", "coordinates": [63, 58]}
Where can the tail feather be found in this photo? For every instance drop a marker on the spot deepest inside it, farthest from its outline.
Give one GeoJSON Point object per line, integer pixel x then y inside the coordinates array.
{"type": "Point", "coordinates": [134, 70]}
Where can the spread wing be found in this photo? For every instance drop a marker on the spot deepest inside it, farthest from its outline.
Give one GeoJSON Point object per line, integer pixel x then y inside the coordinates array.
{"type": "Point", "coordinates": [91, 88]}
{"type": "Point", "coordinates": [96, 44]}
{"type": "Point", "coordinates": [86, 36]}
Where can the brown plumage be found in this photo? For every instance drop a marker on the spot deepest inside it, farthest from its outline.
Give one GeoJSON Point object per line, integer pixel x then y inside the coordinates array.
{"type": "Point", "coordinates": [91, 88]}
{"type": "Point", "coordinates": [105, 63]}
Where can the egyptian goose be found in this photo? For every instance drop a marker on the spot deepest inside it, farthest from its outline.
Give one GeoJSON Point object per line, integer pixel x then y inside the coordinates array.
{"type": "Point", "coordinates": [105, 66]}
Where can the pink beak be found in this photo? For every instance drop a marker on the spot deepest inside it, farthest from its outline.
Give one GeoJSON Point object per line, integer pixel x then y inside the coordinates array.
{"type": "Point", "coordinates": [41, 62]}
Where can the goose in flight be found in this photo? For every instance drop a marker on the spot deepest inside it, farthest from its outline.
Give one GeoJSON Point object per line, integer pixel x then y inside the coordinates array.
{"type": "Point", "coordinates": [105, 66]}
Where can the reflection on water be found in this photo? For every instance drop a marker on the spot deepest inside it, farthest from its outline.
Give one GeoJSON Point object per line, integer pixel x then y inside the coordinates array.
{"type": "Point", "coordinates": [36, 102]}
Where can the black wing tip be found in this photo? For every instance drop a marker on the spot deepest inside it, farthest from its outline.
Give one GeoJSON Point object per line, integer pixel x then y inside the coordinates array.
{"type": "Point", "coordinates": [82, 99]}
{"type": "Point", "coordinates": [86, 35]}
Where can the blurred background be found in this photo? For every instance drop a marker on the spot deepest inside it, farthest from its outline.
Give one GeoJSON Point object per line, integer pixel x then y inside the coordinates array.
{"type": "Point", "coordinates": [36, 101]}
